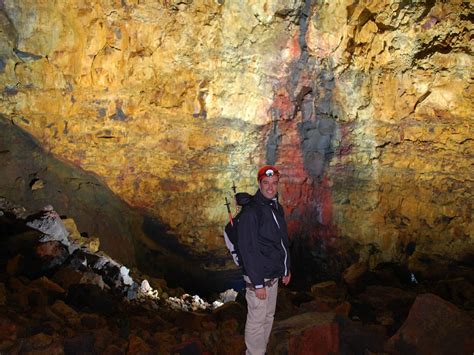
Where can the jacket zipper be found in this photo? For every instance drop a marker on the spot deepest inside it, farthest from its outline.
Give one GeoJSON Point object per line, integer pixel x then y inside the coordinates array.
{"type": "Point", "coordinates": [281, 241]}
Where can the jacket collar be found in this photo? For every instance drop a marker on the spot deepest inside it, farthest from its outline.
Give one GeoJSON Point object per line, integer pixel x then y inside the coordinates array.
{"type": "Point", "coordinates": [259, 198]}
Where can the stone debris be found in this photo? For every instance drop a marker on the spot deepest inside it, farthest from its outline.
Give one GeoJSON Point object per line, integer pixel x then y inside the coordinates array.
{"type": "Point", "coordinates": [127, 280]}
{"type": "Point", "coordinates": [93, 278]}
{"type": "Point", "coordinates": [6, 206]}
{"type": "Point", "coordinates": [228, 295]}
{"type": "Point", "coordinates": [91, 243]}
{"type": "Point", "coordinates": [49, 222]}
{"type": "Point", "coordinates": [37, 184]}
{"type": "Point", "coordinates": [145, 286]}
{"type": "Point", "coordinates": [87, 302]}
{"type": "Point", "coordinates": [216, 304]}
{"type": "Point", "coordinates": [188, 303]}
{"type": "Point", "coordinates": [97, 268]}
{"type": "Point", "coordinates": [397, 160]}
{"type": "Point", "coordinates": [51, 225]}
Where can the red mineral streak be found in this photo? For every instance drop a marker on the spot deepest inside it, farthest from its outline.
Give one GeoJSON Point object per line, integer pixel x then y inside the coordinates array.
{"type": "Point", "coordinates": [307, 200]}
{"type": "Point", "coordinates": [294, 46]}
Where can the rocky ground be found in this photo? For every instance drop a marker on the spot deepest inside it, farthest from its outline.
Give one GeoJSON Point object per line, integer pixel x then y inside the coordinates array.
{"type": "Point", "coordinates": [59, 294]}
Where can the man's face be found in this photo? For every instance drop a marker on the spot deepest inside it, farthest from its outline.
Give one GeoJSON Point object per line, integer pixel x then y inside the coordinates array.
{"type": "Point", "coordinates": [269, 186]}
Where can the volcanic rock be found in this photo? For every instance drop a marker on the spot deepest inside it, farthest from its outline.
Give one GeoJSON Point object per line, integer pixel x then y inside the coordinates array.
{"type": "Point", "coordinates": [50, 255]}
{"type": "Point", "coordinates": [3, 294]}
{"type": "Point", "coordinates": [313, 332]}
{"type": "Point", "coordinates": [359, 338]}
{"type": "Point", "coordinates": [91, 297]}
{"type": "Point", "coordinates": [434, 326]}
{"type": "Point", "coordinates": [366, 106]}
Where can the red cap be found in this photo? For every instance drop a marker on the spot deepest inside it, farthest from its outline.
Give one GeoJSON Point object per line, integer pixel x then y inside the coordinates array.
{"type": "Point", "coordinates": [267, 170]}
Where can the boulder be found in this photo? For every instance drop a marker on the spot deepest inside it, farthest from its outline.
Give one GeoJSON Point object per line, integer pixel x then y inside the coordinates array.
{"type": "Point", "coordinates": [50, 255]}
{"type": "Point", "coordinates": [102, 338]}
{"type": "Point", "coordinates": [190, 346]}
{"type": "Point", "coordinates": [37, 341]}
{"type": "Point", "coordinates": [233, 344]}
{"type": "Point", "coordinates": [34, 297]}
{"type": "Point", "coordinates": [113, 349]}
{"type": "Point", "coordinates": [52, 289]}
{"type": "Point", "coordinates": [93, 279]}
{"type": "Point", "coordinates": [165, 340]}
{"type": "Point", "coordinates": [65, 313]}
{"type": "Point", "coordinates": [307, 333]}
{"type": "Point", "coordinates": [343, 309]}
{"type": "Point", "coordinates": [194, 320]}
{"type": "Point", "coordinates": [67, 276]}
{"type": "Point", "coordinates": [15, 265]}
{"type": "Point", "coordinates": [231, 311]}
{"type": "Point", "coordinates": [92, 321]}
{"type": "Point", "coordinates": [10, 329]}
{"type": "Point", "coordinates": [460, 291]}
{"type": "Point", "coordinates": [360, 338]}
{"type": "Point", "coordinates": [285, 306]}
{"type": "Point", "coordinates": [382, 297]}
{"type": "Point", "coordinates": [91, 243]}
{"type": "Point", "coordinates": [434, 326]}
{"type": "Point", "coordinates": [6, 346]}
{"type": "Point", "coordinates": [79, 344]}
{"type": "Point", "coordinates": [383, 305]}
{"type": "Point", "coordinates": [327, 305]}
{"type": "Point", "coordinates": [92, 299]}
{"type": "Point", "coordinates": [328, 289]}
{"type": "Point", "coordinates": [137, 345]}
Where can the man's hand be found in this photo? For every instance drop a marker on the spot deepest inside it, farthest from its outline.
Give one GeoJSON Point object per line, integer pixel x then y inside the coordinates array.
{"type": "Point", "coordinates": [286, 279]}
{"type": "Point", "coordinates": [261, 293]}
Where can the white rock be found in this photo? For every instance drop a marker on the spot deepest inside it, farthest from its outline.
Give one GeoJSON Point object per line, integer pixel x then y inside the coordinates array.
{"type": "Point", "coordinates": [127, 280]}
{"type": "Point", "coordinates": [228, 295]}
{"type": "Point", "coordinates": [145, 286]}
{"type": "Point", "coordinates": [217, 304]}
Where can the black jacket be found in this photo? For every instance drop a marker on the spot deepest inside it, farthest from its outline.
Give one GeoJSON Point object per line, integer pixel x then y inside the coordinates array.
{"type": "Point", "coordinates": [262, 242]}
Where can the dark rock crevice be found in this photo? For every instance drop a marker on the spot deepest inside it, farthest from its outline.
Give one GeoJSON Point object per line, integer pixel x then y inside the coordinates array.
{"type": "Point", "coordinates": [34, 178]}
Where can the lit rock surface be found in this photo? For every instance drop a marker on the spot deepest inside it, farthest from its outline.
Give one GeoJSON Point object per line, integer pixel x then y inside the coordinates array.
{"type": "Point", "coordinates": [402, 171]}
{"type": "Point", "coordinates": [366, 107]}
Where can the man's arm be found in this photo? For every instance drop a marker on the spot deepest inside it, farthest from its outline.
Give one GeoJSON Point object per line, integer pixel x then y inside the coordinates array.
{"type": "Point", "coordinates": [248, 248]}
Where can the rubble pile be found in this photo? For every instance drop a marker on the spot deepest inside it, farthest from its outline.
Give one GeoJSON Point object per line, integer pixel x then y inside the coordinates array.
{"type": "Point", "coordinates": [54, 287]}
{"type": "Point", "coordinates": [58, 296]}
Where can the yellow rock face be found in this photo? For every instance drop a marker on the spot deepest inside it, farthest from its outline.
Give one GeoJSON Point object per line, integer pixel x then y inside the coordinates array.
{"type": "Point", "coordinates": [169, 102]}
{"type": "Point", "coordinates": [162, 101]}
{"type": "Point", "coordinates": [403, 87]}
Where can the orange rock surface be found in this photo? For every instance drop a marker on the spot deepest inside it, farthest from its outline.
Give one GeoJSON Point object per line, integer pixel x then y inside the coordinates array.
{"type": "Point", "coordinates": [366, 106]}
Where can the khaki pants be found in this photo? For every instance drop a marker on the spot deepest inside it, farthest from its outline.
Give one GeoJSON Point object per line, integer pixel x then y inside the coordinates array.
{"type": "Point", "coordinates": [259, 319]}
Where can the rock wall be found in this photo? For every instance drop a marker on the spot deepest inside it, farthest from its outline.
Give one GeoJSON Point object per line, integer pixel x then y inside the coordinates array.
{"type": "Point", "coordinates": [34, 178]}
{"type": "Point", "coordinates": [366, 106]}
{"type": "Point", "coordinates": [401, 177]}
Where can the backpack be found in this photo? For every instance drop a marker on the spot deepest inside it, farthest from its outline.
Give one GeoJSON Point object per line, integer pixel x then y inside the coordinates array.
{"type": "Point", "coordinates": [231, 235]}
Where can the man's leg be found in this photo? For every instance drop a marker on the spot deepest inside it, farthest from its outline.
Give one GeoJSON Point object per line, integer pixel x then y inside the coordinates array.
{"type": "Point", "coordinates": [272, 293]}
{"type": "Point", "coordinates": [254, 326]}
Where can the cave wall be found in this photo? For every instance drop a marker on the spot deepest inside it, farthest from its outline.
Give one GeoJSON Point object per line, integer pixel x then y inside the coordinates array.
{"type": "Point", "coordinates": [401, 177]}
{"type": "Point", "coordinates": [365, 105]}
{"type": "Point", "coordinates": [33, 178]}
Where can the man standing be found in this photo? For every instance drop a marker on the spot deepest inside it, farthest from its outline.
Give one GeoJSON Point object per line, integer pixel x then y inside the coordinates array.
{"type": "Point", "coordinates": [263, 248]}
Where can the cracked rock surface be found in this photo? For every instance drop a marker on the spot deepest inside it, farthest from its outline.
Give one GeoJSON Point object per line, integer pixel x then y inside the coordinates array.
{"type": "Point", "coordinates": [366, 106]}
